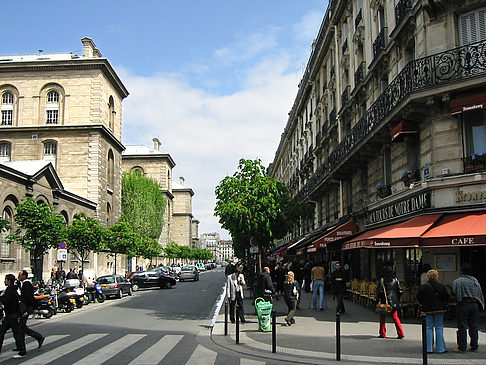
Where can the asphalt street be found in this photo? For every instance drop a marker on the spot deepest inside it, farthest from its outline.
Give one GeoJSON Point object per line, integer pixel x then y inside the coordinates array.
{"type": "Point", "coordinates": [154, 326]}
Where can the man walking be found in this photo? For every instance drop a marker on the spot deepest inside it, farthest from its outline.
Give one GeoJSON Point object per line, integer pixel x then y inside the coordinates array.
{"type": "Point", "coordinates": [338, 282]}
{"type": "Point", "coordinates": [317, 276]}
{"type": "Point", "coordinates": [236, 281]}
{"type": "Point", "coordinates": [469, 299]}
{"type": "Point", "coordinates": [267, 285]}
{"type": "Point", "coordinates": [27, 308]}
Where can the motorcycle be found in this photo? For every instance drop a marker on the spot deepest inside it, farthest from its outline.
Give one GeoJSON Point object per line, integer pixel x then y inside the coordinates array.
{"type": "Point", "coordinates": [66, 298]}
{"type": "Point", "coordinates": [95, 293]}
{"type": "Point", "coordinates": [45, 305]}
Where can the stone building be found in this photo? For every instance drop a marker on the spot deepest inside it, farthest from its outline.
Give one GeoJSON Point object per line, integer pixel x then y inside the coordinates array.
{"type": "Point", "coordinates": [386, 139]}
{"type": "Point", "coordinates": [182, 214]}
{"type": "Point", "coordinates": [66, 109]}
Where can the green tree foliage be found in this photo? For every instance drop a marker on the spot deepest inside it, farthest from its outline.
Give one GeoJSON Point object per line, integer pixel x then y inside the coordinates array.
{"type": "Point", "coordinates": [172, 251]}
{"type": "Point", "coordinates": [121, 239]}
{"type": "Point", "coordinates": [4, 226]}
{"type": "Point", "coordinates": [143, 205]}
{"type": "Point", "coordinates": [252, 204]}
{"type": "Point", "coordinates": [85, 235]}
{"type": "Point", "coordinates": [38, 228]}
{"type": "Point", "coordinates": [149, 248]}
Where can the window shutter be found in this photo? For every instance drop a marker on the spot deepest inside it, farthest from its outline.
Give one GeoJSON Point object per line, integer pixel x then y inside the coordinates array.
{"type": "Point", "coordinates": [472, 26]}
{"type": "Point", "coordinates": [482, 24]}
{"type": "Point", "coordinates": [464, 29]}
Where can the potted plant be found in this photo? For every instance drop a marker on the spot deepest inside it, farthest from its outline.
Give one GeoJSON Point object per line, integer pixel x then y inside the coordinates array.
{"type": "Point", "coordinates": [383, 190]}
{"type": "Point", "coordinates": [409, 177]}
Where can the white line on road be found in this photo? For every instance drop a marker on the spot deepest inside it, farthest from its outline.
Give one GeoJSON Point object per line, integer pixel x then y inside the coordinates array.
{"type": "Point", "coordinates": [202, 355]}
{"type": "Point", "coordinates": [31, 346]}
{"type": "Point", "coordinates": [110, 350]}
{"type": "Point", "coordinates": [219, 304]}
{"type": "Point", "coordinates": [244, 361]}
{"type": "Point", "coordinates": [157, 352]}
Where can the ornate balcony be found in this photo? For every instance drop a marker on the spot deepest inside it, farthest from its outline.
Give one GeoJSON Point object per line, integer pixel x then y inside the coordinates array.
{"type": "Point", "coordinates": [359, 74]}
{"type": "Point", "coordinates": [421, 74]}
{"type": "Point", "coordinates": [345, 96]}
{"type": "Point", "coordinates": [358, 18]}
{"type": "Point", "coordinates": [402, 8]}
{"type": "Point", "coordinates": [380, 42]}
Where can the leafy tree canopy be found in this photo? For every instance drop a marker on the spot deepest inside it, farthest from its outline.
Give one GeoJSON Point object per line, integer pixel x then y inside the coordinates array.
{"type": "Point", "coordinates": [4, 225]}
{"type": "Point", "coordinates": [121, 239]}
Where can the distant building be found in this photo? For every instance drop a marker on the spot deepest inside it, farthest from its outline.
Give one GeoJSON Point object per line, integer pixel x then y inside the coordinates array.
{"type": "Point", "coordinates": [221, 249]}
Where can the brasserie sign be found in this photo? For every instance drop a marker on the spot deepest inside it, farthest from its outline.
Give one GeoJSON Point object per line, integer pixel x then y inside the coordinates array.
{"type": "Point", "coordinates": [403, 207]}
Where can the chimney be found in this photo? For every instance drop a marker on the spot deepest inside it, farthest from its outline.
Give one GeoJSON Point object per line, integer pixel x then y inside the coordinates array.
{"type": "Point", "coordinates": [156, 143]}
{"type": "Point", "coordinates": [89, 48]}
{"type": "Point", "coordinates": [181, 180]}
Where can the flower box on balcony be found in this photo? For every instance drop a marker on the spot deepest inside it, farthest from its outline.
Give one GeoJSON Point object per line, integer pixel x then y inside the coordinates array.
{"type": "Point", "coordinates": [383, 190]}
{"type": "Point", "coordinates": [475, 162]}
{"type": "Point", "coordinates": [409, 177]}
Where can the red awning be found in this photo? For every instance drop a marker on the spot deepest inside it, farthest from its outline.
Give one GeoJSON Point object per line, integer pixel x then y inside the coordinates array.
{"type": "Point", "coordinates": [461, 230]}
{"type": "Point", "coordinates": [344, 230]}
{"type": "Point", "coordinates": [405, 234]}
{"type": "Point", "coordinates": [401, 129]}
{"type": "Point", "coordinates": [468, 103]}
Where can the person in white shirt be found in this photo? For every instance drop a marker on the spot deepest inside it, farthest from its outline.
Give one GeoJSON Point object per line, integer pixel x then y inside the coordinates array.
{"type": "Point", "coordinates": [236, 281]}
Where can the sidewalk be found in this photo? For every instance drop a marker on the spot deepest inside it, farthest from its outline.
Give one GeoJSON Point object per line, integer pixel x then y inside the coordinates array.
{"type": "Point", "coordinates": [312, 339]}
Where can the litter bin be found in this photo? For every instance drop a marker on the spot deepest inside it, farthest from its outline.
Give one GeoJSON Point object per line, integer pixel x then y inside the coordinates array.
{"type": "Point", "coordinates": [264, 313]}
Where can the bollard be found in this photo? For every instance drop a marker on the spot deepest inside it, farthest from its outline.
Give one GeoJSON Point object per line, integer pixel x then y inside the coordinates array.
{"type": "Point", "coordinates": [226, 317]}
{"type": "Point", "coordinates": [274, 332]}
{"type": "Point", "coordinates": [424, 339]}
{"type": "Point", "coordinates": [237, 324]}
{"type": "Point", "coordinates": [338, 336]}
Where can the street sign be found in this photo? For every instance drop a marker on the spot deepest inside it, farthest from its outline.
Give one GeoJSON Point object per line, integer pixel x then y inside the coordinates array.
{"type": "Point", "coordinates": [253, 243]}
{"type": "Point", "coordinates": [62, 254]}
{"type": "Point", "coordinates": [62, 245]}
{"type": "Point", "coordinates": [253, 249]}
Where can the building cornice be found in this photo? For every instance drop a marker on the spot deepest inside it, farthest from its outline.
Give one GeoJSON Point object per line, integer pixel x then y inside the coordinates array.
{"type": "Point", "coordinates": [151, 157]}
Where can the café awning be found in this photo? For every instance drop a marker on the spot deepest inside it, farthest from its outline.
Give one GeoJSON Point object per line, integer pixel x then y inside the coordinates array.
{"type": "Point", "coordinates": [468, 103]}
{"type": "Point", "coordinates": [459, 230]}
{"type": "Point", "coordinates": [399, 235]}
{"type": "Point", "coordinates": [402, 129]}
{"type": "Point", "coordinates": [344, 230]}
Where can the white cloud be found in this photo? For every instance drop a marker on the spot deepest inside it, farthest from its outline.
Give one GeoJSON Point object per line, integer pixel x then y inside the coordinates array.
{"type": "Point", "coordinates": [308, 27]}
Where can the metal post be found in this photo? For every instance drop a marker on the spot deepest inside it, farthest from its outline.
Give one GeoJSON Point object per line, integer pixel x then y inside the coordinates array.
{"type": "Point", "coordinates": [424, 340]}
{"type": "Point", "coordinates": [237, 324]}
{"type": "Point", "coordinates": [274, 332]}
{"type": "Point", "coordinates": [338, 336]}
{"type": "Point", "coordinates": [226, 317]}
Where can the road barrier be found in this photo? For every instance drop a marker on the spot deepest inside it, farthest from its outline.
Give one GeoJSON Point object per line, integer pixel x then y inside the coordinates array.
{"type": "Point", "coordinates": [226, 317]}
{"type": "Point", "coordinates": [424, 339]}
{"type": "Point", "coordinates": [338, 336]}
{"type": "Point", "coordinates": [274, 332]}
{"type": "Point", "coordinates": [237, 324]}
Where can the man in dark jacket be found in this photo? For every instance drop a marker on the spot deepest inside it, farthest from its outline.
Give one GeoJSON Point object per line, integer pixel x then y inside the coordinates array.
{"type": "Point", "coordinates": [71, 275]}
{"type": "Point", "coordinates": [338, 282]}
{"type": "Point", "coordinates": [267, 285]}
{"type": "Point", "coordinates": [10, 302]}
{"type": "Point", "coordinates": [27, 302]}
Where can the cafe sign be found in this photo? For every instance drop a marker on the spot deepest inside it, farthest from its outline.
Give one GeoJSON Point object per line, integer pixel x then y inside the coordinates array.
{"type": "Point", "coordinates": [401, 208]}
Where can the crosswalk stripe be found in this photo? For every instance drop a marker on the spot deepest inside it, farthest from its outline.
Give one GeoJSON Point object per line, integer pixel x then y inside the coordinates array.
{"type": "Point", "coordinates": [110, 350]}
{"type": "Point", "coordinates": [158, 351]}
{"type": "Point", "coordinates": [202, 355]}
{"type": "Point", "coordinates": [60, 351]}
{"type": "Point", "coordinates": [244, 361]}
{"type": "Point", "coordinates": [30, 346]}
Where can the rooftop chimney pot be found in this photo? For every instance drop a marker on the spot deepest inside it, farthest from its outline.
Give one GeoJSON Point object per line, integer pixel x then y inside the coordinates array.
{"type": "Point", "coordinates": [156, 143]}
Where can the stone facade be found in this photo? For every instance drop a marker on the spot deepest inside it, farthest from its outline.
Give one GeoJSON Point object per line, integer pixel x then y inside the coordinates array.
{"type": "Point", "coordinates": [182, 215]}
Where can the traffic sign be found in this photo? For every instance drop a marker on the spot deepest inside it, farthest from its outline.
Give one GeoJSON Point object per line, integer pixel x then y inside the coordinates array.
{"type": "Point", "coordinates": [62, 254]}
{"type": "Point", "coordinates": [253, 249]}
{"type": "Point", "coordinates": [62, 245]}
{"type": "Point", "coordinates": [253, 243]}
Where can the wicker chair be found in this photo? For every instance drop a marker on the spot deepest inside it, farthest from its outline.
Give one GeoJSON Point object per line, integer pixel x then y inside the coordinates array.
{"type": "Point", "coordinates": [372, 295]}
{"type": "Point", "coordinates": [363, 291]}
{"type": "Point", "coordinates": [406, 303]}
{"type": "Point", "coordinates": [355, 290]}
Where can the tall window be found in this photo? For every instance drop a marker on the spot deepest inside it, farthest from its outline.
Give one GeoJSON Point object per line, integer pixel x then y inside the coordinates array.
{"type": "Point", "coordinates": [475, 125]}
{"type": "Point", "coordinates": [52, 107]}
{"type": "Point", "coordinates": [7, 214]}
{"type": "Point", "coordinates": [50, 152]}
{"type": "Point", "coordinates": [111, 170]}
{"type": "Point", "coordinates": [472, 26]}
{"type": "Point", "coordinates": [7, 108]}
{"type": "Point", "coordinates": [4, 151]}
{"type": "Point", "coordinates": [111, 110]}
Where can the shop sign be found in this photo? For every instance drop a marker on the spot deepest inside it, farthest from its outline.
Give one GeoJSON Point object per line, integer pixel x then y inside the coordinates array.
{"type": "Point", "coordinates": [463, 241]}
{"type": "Point", "coordinates": [413, 204]}
{"type": "Point", "coordinates": [475, 196]}
{"type": "Point", "coordinates": [380, 244]}
{"type": "Point", "coordinates": [352, 245]}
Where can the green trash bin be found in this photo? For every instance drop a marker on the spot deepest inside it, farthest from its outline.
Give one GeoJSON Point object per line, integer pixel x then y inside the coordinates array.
{"type": "Point", "coordinates": [264, 313]}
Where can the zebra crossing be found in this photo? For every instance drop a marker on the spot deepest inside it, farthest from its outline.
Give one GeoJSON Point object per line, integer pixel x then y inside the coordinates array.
{"type": "Point", "coordinates": [98, 348]}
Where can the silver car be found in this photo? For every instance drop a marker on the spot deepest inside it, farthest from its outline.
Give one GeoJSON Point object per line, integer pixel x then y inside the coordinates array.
{"type": "Point", "coordinates": [189, 272]}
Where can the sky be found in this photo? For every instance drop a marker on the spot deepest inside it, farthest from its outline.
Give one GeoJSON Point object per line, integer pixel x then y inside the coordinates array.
{"type": "Point", "coordinates": [214, 80]}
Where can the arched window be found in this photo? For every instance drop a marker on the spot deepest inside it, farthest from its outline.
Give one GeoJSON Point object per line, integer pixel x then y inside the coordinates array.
{"type": "Point", "coordinates": [65, 216]}
{"type": "Point", "coordinates": [52, 107]}
{"type": "Point", "coordinates": [111, 170]}
{"type": "Point", "coordinates": [7, 214]}
{"type": "Point", "coordinates": [50, 152]}
{"type": "Point", "coordinates": [111, 111]}
{"type": "Point", "coordinates": [5, 151]}
{"type": "Point", "coordinates": [7, 108]}
{"type": "Point", "coordinates": [137, 170]}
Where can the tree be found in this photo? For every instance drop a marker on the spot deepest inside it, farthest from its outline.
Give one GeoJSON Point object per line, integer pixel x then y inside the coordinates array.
{"type": "Point", "coordinates": [38, 229]}
{"type": "Point", "coordinates": [85, 235]}
{"type": "Point", "coordinates": [149, 248]}
{"type": "Point", "coordinates": [143, 205]}
{"type": "Point", "coordinates": [4, 226]}
{"type": "Point", "coordinates": [172, 251]}
{"type": "Point", "coordinates": [252, 205]}
{"type": "Point", "coordinates": [121, 239]}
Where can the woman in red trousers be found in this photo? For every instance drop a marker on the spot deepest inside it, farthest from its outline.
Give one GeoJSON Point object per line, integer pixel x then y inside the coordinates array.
{"type": "Point", "coordinates": [391, 285]}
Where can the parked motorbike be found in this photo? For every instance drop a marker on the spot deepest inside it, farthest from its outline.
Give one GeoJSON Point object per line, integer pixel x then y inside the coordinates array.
{"type": "Point", "coordinates": [45, 305]}
{"type": "Point", "coordinates": [95, 293]}
{"type": "Point", "coordinates": [80, 299]}
{"type": "Point", "coordinates": [66, 298]}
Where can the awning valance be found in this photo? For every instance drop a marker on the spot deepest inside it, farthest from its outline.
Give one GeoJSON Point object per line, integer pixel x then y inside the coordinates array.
{"type": "Point", "coordinates": [468, 103]}
{"type": "Point", "coordinates": [344, 230]}
{"type": "Point", "coordinates": [402, 129]}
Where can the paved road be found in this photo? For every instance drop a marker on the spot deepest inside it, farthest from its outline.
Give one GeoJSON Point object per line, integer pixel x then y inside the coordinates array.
{"type": "Point", "coordinates": [154, 326]}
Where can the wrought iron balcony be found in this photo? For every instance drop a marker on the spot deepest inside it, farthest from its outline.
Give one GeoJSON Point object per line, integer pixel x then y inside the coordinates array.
{"type": "Point", "coordinates": [345, 46]}
{"type": "Point", "coordinates": [402, 8]}
{"type": "Point", "coordinates": [359, 74]}
{"type": "Point", "coordinates": [421, 74]}
{"type": "Point", "coordinates": [358, 18]}
{"type": "Point", "coordinates": [380, 42]}
{"type": "Point", "coordinates": [332, 115]}
{"type": "Point", "coordinates": [345, 96]}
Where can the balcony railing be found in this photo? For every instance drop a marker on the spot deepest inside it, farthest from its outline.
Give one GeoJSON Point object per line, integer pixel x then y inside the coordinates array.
{"type": "Point", "coordinates": [345, 96]}
{"type": "Point", "coordinates": [359, 74]}
{"type": "Point", "coordinates": [345, 46]}
{"type": "Point", "coordinates": [332, 115]}
{"type": "Point", "coordinates": [402, 8]}
{"type": "Point", "coordinates": [380, 42]}
{"type": "Point", "coordinates": [358, 18]}
{"type": "Point", "coordinates": [421, 74]}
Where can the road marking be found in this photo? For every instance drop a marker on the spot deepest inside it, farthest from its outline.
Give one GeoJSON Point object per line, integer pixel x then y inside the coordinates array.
{"type": "Point", "coordinates": [31, 346]}
{"type": "Point", "coordinates": [157, 352]}
{"type": "Point", "coordinates": [244, 361]}
{"type": "Point", "coordinates": [110, 350]}
{"type": "Point", "coordinates": [202, 355]}
{"type": "Point", "coordinates": [60, 351]}
{"type": "Point", "coordinates": [218, 305]}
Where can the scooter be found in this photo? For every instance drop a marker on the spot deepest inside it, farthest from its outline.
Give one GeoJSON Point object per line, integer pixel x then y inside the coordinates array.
{"type": "Point", "coordinates": [95, 292]}
{"type": "Point", "coordinates": [45, 305]}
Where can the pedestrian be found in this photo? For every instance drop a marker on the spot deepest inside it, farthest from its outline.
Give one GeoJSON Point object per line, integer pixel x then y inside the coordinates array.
{"type": "Point", "coordinates": [307, 276]}
{"type": "Point", "coordinates": [280, 278]}
{"type": "Point", "coordinates": [318, 276]}
{"type": "Point", "coordinates": [299, 277]}
{"type": "Point", "coordinates": [230, 269]}
{"type": "Point", "coordinates": [27, 302]}
{"type": "Point", "coordinates": [423, 277]}
{"type": "Point", "coordinates": [390, 285]}
{"type": "Point", "coordinates": [433, 299]}
{"type": "Point", "coordinates": [71, 275]}
{"type": "Point", "coordinates": [469, 300]}
{"type": "Point", "coordinates": [10, 302]}
{"type": "Point", "coordinates": [338, 282]}
{"type": "Point", "coordinates": [268, 289]}
{"type": "Point", "coordinates": [60, 274]}
{"type": "Point", "coordinates": [236, 281]}
{"type": "Point", "coordinates": [291, 295]}
{"type": "Point", "coordinates": [53, 275]}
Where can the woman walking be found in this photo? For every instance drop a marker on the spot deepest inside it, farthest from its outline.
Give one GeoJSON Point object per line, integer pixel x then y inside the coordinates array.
{"type": "Point", "coordinates": [291, 295]}
{"type": "Point", "coordinates": [433, 298]}
{"type": "Point", "coordinates": [389, 290]}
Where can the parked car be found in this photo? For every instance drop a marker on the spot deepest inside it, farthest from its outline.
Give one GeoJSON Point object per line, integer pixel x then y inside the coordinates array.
{"type": "Point", "coordinates": [189, 272]}
{"type": "Point", "coordinates": [177, 270]}
{"type": "Point", "coordinates": [200, 266]}
{"type": "Point", "coordinates": [114, 285]}
{"type": "Point", "coordinates": [150, 279]}
{"type": "Point", "coordinates": [208, 266]}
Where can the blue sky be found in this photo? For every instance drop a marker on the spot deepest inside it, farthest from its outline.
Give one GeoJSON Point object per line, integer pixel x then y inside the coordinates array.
{"type": "Point", "coordinates": [213, 80]}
